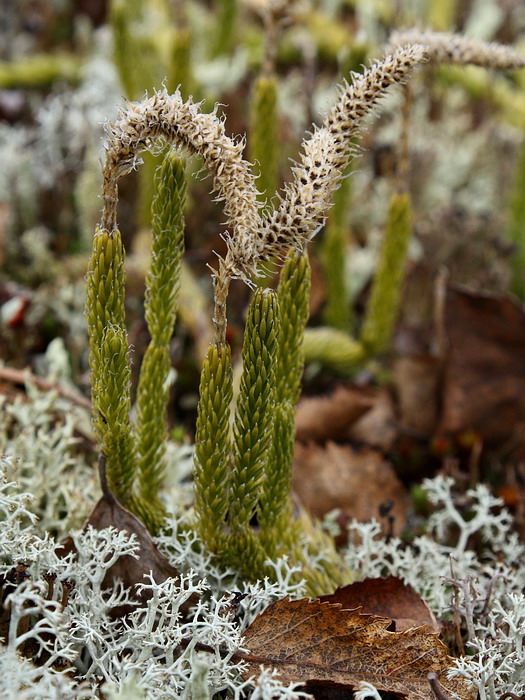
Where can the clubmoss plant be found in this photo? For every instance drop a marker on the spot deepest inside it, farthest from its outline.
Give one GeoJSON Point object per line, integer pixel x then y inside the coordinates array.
{"type": "Point", "coordinates": [137, 449]}
{"type": "Point", "coordinates": [382, 308]}
{"type": "Point", "coordinates": [245, 473]}
{"type": "Point", "coordinates": [141, 36]}
{"type": "Point", "coordinates": [293, 294]}
{"type": "Point", "coordinates": [151, 45]}
{"type": "Point", "coordinates": [335, 347]}
{"type": "Point", "coordinates": [162, 287]}
{"type": "Point", "coordinates": [213, 448]}
{"type": "Point", "coordinates": [337, 313]}
{"type": "Point", "coordinates": [252, 433]}
{"type": "Point", "coordinates": [39, 71]}
{"type": "Point", "coordinates": [226, 24]}
{"type": "Point", "coordinates": [180, 68]}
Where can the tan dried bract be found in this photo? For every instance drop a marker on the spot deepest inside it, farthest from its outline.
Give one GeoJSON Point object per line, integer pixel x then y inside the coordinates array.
{"type": "Point", "coordinates": [445, 47]}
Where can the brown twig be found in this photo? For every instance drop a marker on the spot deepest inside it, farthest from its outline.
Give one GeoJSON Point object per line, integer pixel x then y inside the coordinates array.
{"type": "Point", "coordinates": [466, 586]}
{"type": "Point", "coordinates": [436, 688]}
{"type": "Point", "coordinates": [457, 618]}
{"type": "Point", "coordinates": [104, 486]}
{"type": "Point", "coordinates": [488, 597]}
{"type": "Point", "coordinates": [21, 376]}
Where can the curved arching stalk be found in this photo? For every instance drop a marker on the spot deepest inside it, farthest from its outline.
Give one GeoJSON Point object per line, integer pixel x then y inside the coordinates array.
{"type": "Point", "coordinates": [167, 117]}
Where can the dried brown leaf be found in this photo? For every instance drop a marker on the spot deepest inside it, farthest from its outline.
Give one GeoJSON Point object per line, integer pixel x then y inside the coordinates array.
{"type": "Point", "coordinates": [386, 597]}
{"type": "Point", "coordinates": [358, 482]}
{"type": "Point", "coordinates": [324, 418]}
{"type": "Point", "coordinates": [309, 641]}
{"type": "Point", "coordinates": [484, 374]}
{"type": "Point", "coordinates": [131, 571]}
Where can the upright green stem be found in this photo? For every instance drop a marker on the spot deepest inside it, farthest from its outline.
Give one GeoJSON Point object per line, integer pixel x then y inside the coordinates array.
{"type": "Point", "coordinates": [162, 286]}
{"type": "Point", "coordinates": [226, 23]}
{"type": "Point", "coordinates": [334, 252]}
{"type": "Point", "coordinates": [255, 406]}
{"type": "Point", "coordinates": [108, 357]}
{"type": "Point", "coordinates": [263, 136]}
{"type": "Point", "coordinates": [383, 306]}
{"type": "Point", "coordinates": [274, 508]}
{"type": "Point", "coordinates": [212, 447]}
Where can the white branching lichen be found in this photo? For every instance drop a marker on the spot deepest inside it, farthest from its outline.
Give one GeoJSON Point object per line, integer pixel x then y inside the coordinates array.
{"type": "Point", "coordinates": [490, 582]}
{"type": "Point", "coordinates": [493, 527]}
{"type": "Point", "coordinates": [38, 436]}
{"type": "Point", "coordinates": [155, 654]}
{"type": "Point", "coordinates": [149, 655]}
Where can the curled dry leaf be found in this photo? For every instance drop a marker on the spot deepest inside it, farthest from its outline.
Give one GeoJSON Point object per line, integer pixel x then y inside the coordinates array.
{"type": "Point", "coordinates": [386, 597]}
{"type": "Point", "coordinates": [329, 417]}
{"type": "Point", "coordinates": [358, 482]}
{"type": "Point", "coordinates": [110, 513]}
{"type": "Point", "coordinates": [319, 644]}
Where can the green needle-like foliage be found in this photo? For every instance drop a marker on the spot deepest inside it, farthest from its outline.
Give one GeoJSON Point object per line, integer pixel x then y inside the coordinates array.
{"type": "Point", "coordinates": [333, 348]}
{"type": "Point", "coordinates": [105, 288]}
{"type": "Point", "coordinates": [108, 357]}
{"type": "Point", "coordinates": [441, 14]}
{"type": "Point", "coordinates": [136, 46]}
{"type": "Point", "coordinates": [293, 293]}
{"type": "Point", "coordinates": [140, 34]}
{"type": "Point", "coordinates": [162, 285]}
{"type": "Point", "coordinates": [163, 277]}
{"type": "Point", "coordinates": [226, 22]}
{"type": "Point", "coordinates": [274, 509]}
{"type": "Point", "coordinates": [264, 137]}
{"type": "Point", "coordinates": [212, 446]}
{"type": "Point", "coordinates": [39, 71]}
{"type": "Point", "coordinates": [152, 429]}
{"type": "Point", "coordinates": [179, 69]}
{"type": "Point", "coordinates": [333, 572]}
{"type": "Point", "coordinates": [112, 399]}
{"type": "Point", "coordinates": [516, 226]}
{"type": "Point", "coordinates": [383, 306]}
{"type": "Point", "coordinates": [254, 412]}
{"type": "Point", "coordinates": [337, 310]}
